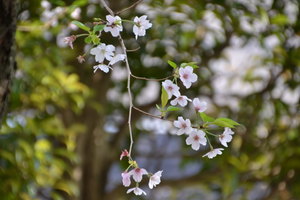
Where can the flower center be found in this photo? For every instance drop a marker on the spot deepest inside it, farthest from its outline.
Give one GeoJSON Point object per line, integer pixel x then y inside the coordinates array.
{"type": "Point", "coordinates": [185, 76]}
{"type": "Point", "coordinates": [137, 170]}
{"type": "Point", "coordinates": [183, 125]}
{"type": "Point", "coordinates": [196, 138]}
{"type": "Point", "coordinates": [170, 88]}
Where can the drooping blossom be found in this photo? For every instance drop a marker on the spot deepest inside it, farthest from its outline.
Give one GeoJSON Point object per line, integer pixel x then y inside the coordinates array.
{"type": "Point", "coordinates": [69, 40]}
{"type": "Point", "coordinates": [141, 24]}
{"type": "Point", "coordinates": [124, 154]}
{"type": "Point", "coordinates": [136, 191]}
{"type": "Point", "coordinates": [181, 100]}
{"type": "Point", "coordinates": [183, 125]}
{"type": "Point", "coordinates": [200, 106]}
{"type": "Point", "coordinates": [154, 179]}
{"type": "Point", "coordinates": [102, 67]}
{"type": "Point", "coordinates": [103, 51]}
{"type": "Point", "coordinates": [213, 153]}
{"type": "Point", "coordinates": [196, 137]}
{"type": "Point", "coordinates": [171, 88]}
{"type": "Point", "coordinates": [138, 173]}
{"type": "Point", "coordinates": [116, 58]}
{"type": "Point", "coordinates": [226, 136]}
{"type": "Point", "coordinates": [113, 25]}
{"type": "Point", "coordinates": [126, 179]}
{"type": "Point", "coordinates": [80, 59]}
{"type": "Point", "coordinates": [187, 76]}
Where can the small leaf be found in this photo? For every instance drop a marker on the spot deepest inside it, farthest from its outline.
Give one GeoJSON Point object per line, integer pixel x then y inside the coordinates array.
{"type": "Point", "coordinates": [229, 121]}
{"type": "Point", "coordinates": [172, 64]}
{"type": "Point", "coordinates": [95, 39]}
{"type": "Point", "coordinates": [222, 123]}
{"type": "Point", "coordinates": [157, 106]}
{"type": "Point", "coordinates": [173, 108]}
{"type": "Point", "coordinates": [98, 28]}
{"type": "Point", "coordinates": [81, 25]}
{"type": "Point", "coordinates": [164, 97]}
{"type": "Point", "coordinates": [205, 117]}
{"type": "Point", "coordinates": [88, 40]}
{"type": "Point", "coordinates": [192, 64]}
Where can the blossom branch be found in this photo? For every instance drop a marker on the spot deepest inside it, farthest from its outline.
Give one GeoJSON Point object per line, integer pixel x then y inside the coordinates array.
{"type": "Point", "coordinates": [151, 79]}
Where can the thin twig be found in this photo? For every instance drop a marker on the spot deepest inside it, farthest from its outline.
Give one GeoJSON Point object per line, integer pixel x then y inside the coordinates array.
{"type": "Point", "coordinates": [151, 79]}
{"type": "Point", "coordinates": [134, 4]}
{"type": "Point", "coordinates": [146, 113]}
{"type": "Point", "coordinates": [133, 50]}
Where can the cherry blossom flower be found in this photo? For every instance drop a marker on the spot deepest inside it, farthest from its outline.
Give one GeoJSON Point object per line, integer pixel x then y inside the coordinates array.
{"type": "Point", "coordinates": [113, 25]}
{"type": "Point", "coordinates": [137, 191]}
{"type": "Point", "coordinates": [80, 59]}
{"type": "Point", "coordinates": [187, 76]}
{"type": "Point", "coordinates": [183, 125]}
{"type": "Point", "coordinates": [103, 51]}
{"type": "Point", "coordinates": [200, 106]}
{"type": "Point", "coordinates": [124, 154]}
{"type": "Point", "coordinates": [138, 173]}
{"type": "Point", "coordinates": [196, 137]}
{"type": "Point", "coordinates": [116, 58]}
{"type": "Point", "coordinates": [213, 153]}
{"type": "Point", "coordinates": [171, 88]}
{"type": "Point", "coordinates": [154, 179]}
{"type": "Point", "coordinates": [181, 100]}
{"type": "Point", "coordinates": [69, 40]}
{"type": "Point", "coordinates": [226, 136]}
{"type": "Point", "coordinates": [141, 24]}
{"type": "Point", "coordinates": [126, 179]}
{"type": "Point", "coordinates": [102, 67]}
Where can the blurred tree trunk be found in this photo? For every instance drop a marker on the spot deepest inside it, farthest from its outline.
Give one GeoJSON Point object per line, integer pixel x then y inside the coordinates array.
{"type": "Point", "coordinates": [8, 16]}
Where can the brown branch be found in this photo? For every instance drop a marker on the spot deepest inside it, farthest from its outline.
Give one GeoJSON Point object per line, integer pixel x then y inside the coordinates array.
{"type": "Point", "coordinates": [133, 5]}
{"type": "Point", "coordinates": [151, 79]}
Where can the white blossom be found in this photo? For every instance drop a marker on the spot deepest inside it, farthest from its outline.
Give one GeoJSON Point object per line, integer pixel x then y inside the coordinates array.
{"type": "Point", "coordinates": [213, 153]}
{"type": "Point", "coordinates": [196, 137]}
{"type": "Point", "coordinates": [187, 76]}
{"type": "Point", "coordinates": [200, 106]}
{"type": "Point", "coordinates": [183, 125]}
{"type": "Point", "coordinates": [226, 136]}
{"type": "Point", "coordinates": [138, 173]}
{"type": "Point", "coordinates": [113, 25]}
{"type": "Point", "coordinates": [126, 179]}
{"type": "Point", "coordinates": [69, 40]}
{"type": "Point", "coordinates": [171, 88]}
{"type": "Point", "coordinates": [137, 191]}
{"type": "Point", "coordinates": [141, 24]}
{"type": "Point", "coordinates": [102, 67]}
{"type": "Point", "coordinates": [181, 100]}
{"type": "Point", "coordinates": [154, 179]}
{"type": "Point", "coordinates": [103, 51]}
{"type": "Point", "coordinates": [116, 58]}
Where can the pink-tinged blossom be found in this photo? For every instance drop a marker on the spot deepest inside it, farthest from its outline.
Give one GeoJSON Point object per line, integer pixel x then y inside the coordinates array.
{"type": "Point", "coordinates": [136, 191]}
{"type": "Point", "coordinates": [141, 24]}
{"type": "Point", "coordinates": [154, 179]}
{"type": "Point", "coordinates": [200, 106]}
{"type": "Point", "coordinates": [181, 100]}
{"type": "Point", "coordinates": [124, 154]}
{"type": "Point", "coordinates": [171, 88]}
{"type": "Point", "coordinates": [226, 136]}
{"type": "Point", "coordinates": [80, 59]}
{"type": "Point", "coordinates": [102, 67]}
{"type": "Point", "coordinates": [113, 25]}
{"type": "Point", "coordinates": [103, 51]}
{"type": "Point", "coordinates": [183, 125]}
{"type": "Point", "coordinates": [69, 40]}
{"type": "Point", "coordinates": [213, 153]}
{"type": "Point", "coordinates": [196, 137]}
{"type": "Point", "coordinates": [126, 179]}
{"type": "Point", "coordinates": [187, 76]}
{"type": "Point", "coordinates": [116, 58]}
{"type": "Point", "coordinates": [138, 173]}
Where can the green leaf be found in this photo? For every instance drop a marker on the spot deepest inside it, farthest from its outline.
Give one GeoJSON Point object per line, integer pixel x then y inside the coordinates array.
{"type": "Point", "coordinates": [88, 40]}
{"type": "Point", "coordinates": [192, 64]}
{"type": "Point", "coordinates": [98, 28]}
{"type": "Point", "coordinates": [172, 64]}
{"type": "Point", "coordinates": [164, 97]}
{"type": "Point", "coordinates": [225, 122]}
{"type": "Point", "coordinates": [157, 106]}
{"type": "Point", "coordinates": [95, 39]}
{"type": "Point", "coordinates": [173, 108]}
{"type": "Point", "coordinates": [81, 25]}
{"type": "Point", "coordinates": [205, 117]}
{"type": "Point", "coordinates": [80, 3]}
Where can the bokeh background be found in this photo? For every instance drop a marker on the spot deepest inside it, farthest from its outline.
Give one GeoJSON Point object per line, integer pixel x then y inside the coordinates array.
{"type": "Point", "coordinates": [65, 126]}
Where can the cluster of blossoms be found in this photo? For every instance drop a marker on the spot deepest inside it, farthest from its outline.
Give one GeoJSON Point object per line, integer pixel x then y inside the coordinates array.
{"type": "Point", "coordinates": [137, 174]}
{"type": "Point", "coordinates": [196, 136]}
{"type": "Point", "coordinates": [106, 57]}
